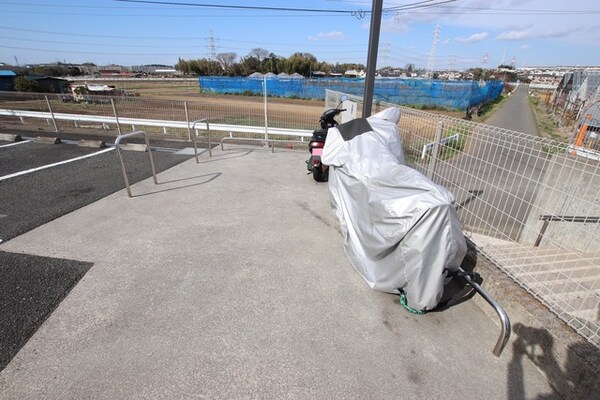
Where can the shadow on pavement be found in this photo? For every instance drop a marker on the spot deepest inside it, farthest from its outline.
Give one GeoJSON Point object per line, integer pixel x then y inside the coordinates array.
{"type": "Point", "coordinates": [538, 345]}
{"type": "Point", "coordinates": [31, 288]}
{"type": "Point", "coordinates": [209, 178]}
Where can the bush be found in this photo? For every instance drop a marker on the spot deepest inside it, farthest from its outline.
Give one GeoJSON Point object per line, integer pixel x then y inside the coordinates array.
{"type": "Point", "coordinates": [23, 84]}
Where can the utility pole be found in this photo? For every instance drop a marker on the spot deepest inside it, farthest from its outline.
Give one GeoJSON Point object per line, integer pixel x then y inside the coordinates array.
{"type": "Point", "coordinates": [376, 11]}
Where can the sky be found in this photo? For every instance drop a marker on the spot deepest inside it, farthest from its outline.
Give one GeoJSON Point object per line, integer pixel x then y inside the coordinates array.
{"type": "Point", "coordinates": [466, 33]}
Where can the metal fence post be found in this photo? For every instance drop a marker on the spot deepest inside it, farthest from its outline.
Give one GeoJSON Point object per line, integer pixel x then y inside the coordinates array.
{"type": "Point", "coordinates": [266, 114]}
{"type": "Point", "coordinates": [112, 102]}
{"type": "Point", "coordinates": [435, 151]}
{"type": "Point", "coordinates": [51, 114]}
{"type": "Point", "coordinates": [187, 120]}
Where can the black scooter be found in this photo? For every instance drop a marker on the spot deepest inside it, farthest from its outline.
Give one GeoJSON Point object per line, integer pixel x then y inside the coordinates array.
{"type": "Point", "coordinates": [319, 170]}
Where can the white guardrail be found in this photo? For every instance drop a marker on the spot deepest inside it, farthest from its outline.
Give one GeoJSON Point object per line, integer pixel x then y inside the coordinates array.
{"type": "Point", "coordinates": [302, 133]}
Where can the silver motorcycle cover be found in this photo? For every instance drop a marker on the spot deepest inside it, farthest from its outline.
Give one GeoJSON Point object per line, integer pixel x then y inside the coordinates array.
{"type": "Point", "coordinates": [401, 231]}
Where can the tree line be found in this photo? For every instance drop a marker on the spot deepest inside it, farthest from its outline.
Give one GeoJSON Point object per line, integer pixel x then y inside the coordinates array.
{"type": "Point", "coordinates": [262, 61]}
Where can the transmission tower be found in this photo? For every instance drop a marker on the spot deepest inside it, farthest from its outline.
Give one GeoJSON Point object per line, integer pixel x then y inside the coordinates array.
{"type": "Point", "coordinates": [486, 58]}
{"type": "Point", "coordinates": [452, 63]}
{"type": "Point", "coordinates": [431, 62]}
{"type": "Point", "coordinates": [385, 51]}
{"type": "Point", "coordinates": [212, 47]}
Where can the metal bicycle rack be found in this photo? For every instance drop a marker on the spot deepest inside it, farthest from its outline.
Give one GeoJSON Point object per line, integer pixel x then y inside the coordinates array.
{"type": "Point", "coordinates": [148, 150]}
{"type": "Point", "coordinates": [194, 137]}
{"type": "Point", "coordinates": [504, 321]}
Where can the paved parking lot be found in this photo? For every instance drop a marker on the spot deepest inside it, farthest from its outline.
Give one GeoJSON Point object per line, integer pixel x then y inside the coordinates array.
{"type": "Point", "coordinates": [46, 191]}
{"type": "Point", "coordinates": [229, 280]}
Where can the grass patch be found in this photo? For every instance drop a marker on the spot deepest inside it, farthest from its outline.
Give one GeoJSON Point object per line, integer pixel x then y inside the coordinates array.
{"type": "Point", "coordinates": [543, 117]}
{"type": "Point", "coordinates": [487, 110]}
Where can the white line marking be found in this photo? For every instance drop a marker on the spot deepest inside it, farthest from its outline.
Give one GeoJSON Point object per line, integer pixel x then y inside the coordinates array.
{"type": "Point", "coordinates": [15, 143]}
{"type": "Point", "coordinates": [55, 164]}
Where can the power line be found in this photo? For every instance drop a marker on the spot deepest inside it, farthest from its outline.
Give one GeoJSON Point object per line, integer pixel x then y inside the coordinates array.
{"type": "Point", "coordinates": [356, 13]}
{"type": "Point", "coordinates": [237, 7]}
{"type": "Point", "coordinates": [154, 38]}
{"type": "Point", "coordinates": [152, 45]}
{"type": "Point", "coordinates": [424, 4]}
{"type": "Point", "coordinates": [418, 5]}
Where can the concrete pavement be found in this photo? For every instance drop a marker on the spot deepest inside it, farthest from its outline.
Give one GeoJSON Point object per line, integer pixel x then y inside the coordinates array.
{"type": "Point", "coordinates": [228, 280]}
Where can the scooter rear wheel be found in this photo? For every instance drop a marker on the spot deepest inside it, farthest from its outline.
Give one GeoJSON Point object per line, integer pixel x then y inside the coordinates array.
{"type": "Point", "coordinates": [319, 175]}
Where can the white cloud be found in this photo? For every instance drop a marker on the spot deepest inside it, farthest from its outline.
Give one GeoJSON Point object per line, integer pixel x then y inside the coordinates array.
{"type": "Point", "coordinates": [524, 47]}
{"type": "Point", "coordinates": [514, 35]}
{"type": "Point", "coordinates": [526, 34]}
{"type": "Point", "coordinates": [335, 35]}
{"type": "Point", "coordinates": [476, 37]}
{"type": "Point", "coordinates": [523, 19]}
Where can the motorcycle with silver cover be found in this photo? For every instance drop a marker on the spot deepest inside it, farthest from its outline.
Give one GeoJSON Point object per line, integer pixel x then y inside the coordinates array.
{"type": "Point", "coordinates": [401, 230]}
{"type": "Point", "coordinates": [402, 233]}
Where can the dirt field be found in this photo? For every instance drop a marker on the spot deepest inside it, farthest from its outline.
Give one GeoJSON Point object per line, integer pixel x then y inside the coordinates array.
{"type": "Point", "coordinates": [189, 91]}
{"type": "Point", "coordinates": [294, 109]}
{"type": "Point", "coordinates": [169, 99]}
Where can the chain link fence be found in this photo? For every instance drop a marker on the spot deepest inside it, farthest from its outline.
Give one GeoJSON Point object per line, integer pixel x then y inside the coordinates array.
{"type": "Point", "coordinates": [253, 112]}
{"type": "Point", "coordinates": [530, 204]}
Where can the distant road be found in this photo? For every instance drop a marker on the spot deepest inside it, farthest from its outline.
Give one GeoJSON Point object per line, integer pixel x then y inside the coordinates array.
{"type": "Point", "coordinates": [504, 172]}
{"type": "Point", "coordinates": [516, 113]}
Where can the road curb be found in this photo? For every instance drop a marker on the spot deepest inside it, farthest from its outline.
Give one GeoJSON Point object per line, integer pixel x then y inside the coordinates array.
{"type": "Point", "coordinates": [97, 144]}
{"type": "Point", "coordinates": [9, 137]}
{"type": "Point", "coordinates": [47, 140]}
{"type": "Point", "coordinates": [132, 147]}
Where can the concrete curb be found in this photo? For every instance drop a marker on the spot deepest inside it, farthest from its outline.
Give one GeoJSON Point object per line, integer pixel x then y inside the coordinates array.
{"type": "Point", "coordinates": [132, 147]}
{"type": "Point", "coordinates": [570, 363]}
{"type": "Point", "coordinates": [9, 137]}
{"type": "Point", "coordinates": [98, 144]}
{"type": "Point", "coordinates": [47, 140]}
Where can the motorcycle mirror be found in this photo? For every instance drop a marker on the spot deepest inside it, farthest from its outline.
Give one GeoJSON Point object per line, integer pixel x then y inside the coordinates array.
{"type": "Point", "coordinates": [343, 98]}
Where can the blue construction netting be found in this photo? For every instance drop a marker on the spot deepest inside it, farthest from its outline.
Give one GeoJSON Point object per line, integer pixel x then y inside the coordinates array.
{"type": "Point", "coordinates": [415, 92]}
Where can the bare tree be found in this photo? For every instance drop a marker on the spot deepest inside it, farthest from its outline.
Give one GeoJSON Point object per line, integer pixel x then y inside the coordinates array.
{"type": "Point", "coordinates": [226, 60]}
{"type": "Point", "coordinates": [259, 54]}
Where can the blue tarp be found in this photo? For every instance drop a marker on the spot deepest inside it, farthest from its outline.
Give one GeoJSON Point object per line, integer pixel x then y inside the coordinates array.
{"type": "Point", "coordinates": [416, 92]}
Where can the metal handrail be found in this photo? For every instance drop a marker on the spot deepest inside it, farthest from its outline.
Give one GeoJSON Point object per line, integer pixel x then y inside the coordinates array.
{"type": "Point", "coordinates": [194, 137]}
{"type": "Point", "coordinates": [303, 133]}
{"type": "Point", "coordinates": [504, 320]}
{"type": "Point", "coordinates": [268, 141]}
{"type": "Point", "coordinates": [565, 218]}
{"type": "Point", "coordinates": [148, 150]}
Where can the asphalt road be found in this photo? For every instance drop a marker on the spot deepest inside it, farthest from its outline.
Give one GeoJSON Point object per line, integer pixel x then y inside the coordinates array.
{"type": "Point", "coordinates": [516, 114]}
{"type": "Point", "coordinates": [500, 170]}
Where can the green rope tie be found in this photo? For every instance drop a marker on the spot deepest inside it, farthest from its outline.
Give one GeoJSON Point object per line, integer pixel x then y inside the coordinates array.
{"type": "Point", "coordinates": [409, 308]}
